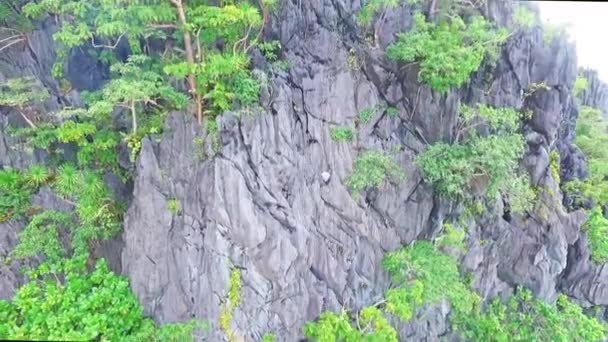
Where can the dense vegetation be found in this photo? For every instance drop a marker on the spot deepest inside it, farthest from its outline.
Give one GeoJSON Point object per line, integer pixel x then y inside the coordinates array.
{"type": "Point", "coordinates": [425, 276]}
{"type": "Point", "coordinates": [476, 165]}
{"type": "Point", "coordinates": [194, 56]}
{"type": "Point", "coordinates": [173, 63]}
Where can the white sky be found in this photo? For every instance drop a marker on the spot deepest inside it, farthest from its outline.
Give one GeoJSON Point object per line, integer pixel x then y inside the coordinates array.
{"type": "Point", "coordinates": [588, 27]}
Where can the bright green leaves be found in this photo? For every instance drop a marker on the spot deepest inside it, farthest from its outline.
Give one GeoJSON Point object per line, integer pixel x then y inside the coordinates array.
{"type": "Point", "coordinates": [20, 92]}
{"type": "Point", "coordinates": [596, 228]}
{"type": "Point", "coordinates": [223, 79]}
{"type": "Point", "coordinates": [476, 166]}
{"type": "Point", "coordinates": [98, 305]}
{"type": "Point", "coordinates": [234, 297]}
{"type": "Point", "coordinates": [592, 139]}
{"type": "Point", "coordinates": [337, 327]}
{"type": "Point", "coordinates": [429, 276]}
{"type": "Point", "coordinates": [16, 190]}
{"type": "Point", "coordinates": [342, 134]}
{"type": "Point", "coordinates": [228, 22]}
{"type": "Point", "coordinates": [373, 169]}
{"type": "Point", "coordinates": [524, 318]}
{"type": "Point", "coordinates": [41, 236]}
{"type": "Point", "coordinates": [447, 52]}
{"type": "Point", "coordinates": [580, 85]}
{"type": "Point", "coordinates": [371, 7]}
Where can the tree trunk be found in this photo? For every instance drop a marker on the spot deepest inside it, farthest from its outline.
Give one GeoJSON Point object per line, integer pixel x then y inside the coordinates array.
{"type": "Point", "coordinates": [179, 5]}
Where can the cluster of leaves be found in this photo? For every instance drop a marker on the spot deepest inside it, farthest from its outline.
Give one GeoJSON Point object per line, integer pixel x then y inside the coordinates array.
{"type": "Point", "coordinates": [596, 228]}
{"type": "Point", "coordinates": [217, 75]}
{"type": "Point", "coordinates": [84, 306]}
{"type": "Point", "coordinates": [234, 297]}
{"type": "Point", "coordinates": [580, 85]}
{"type": "Point", "coordinates": [592, 139]}
{"type": "Point", "coordinates": [430, 276]}
{"type": "Point", "coordinates": [447, 52]}
{"type": "Point", "coordinates": [524, 318]}
{"type": "Point", "coordinates": [338, 327]}
{"type": "Point", "coordinates": [342, 134]}
{"type": "Point", "coordinates": [554, 164]}
{"type": "Point", "coordinates": [373, 169]}
{"type": "Point", "coordinates": [475, 165]}
{"type": "Point", "coordinates": [16, 189]}
{"type": "Point", "coordinates": [550, 32]}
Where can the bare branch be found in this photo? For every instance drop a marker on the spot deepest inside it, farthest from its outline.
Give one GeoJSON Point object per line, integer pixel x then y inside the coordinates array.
{"type": "Point", "coordinates": [107, 46]}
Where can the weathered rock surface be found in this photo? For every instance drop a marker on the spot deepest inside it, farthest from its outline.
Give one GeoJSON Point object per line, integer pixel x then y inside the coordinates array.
{"type": "Point", "coordinates": [273, 201]}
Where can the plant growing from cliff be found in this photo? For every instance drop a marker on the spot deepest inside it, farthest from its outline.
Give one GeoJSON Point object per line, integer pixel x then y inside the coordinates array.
{"type": "Point", "coordinates": [22, 94]}
{"type": "Point", "coordinates": [580, 85]}
{"type": "Point", "coordinates": [93, 306]}
{"type": "Point", "coordinates": [447, 52]}
{"type": "Point", "coordinates": [592, 139]}
{"type": "Point", "coordinates": [215, 75]}
{"type": "Point", "coordinates": [596, 228]}
{"type": "Point", "coordinates": [554, 164]}
{"type": "Point", "coordinates": [372, 169]}
{"type": "Point", "coordinates": [342, 134]}
{"type": "Point", "coordinates": [15, 194]}
{"type": "Point", "coordinates": [174, 206]}
{"type": "Point", "coordinates": [474, 165]}
{"type": "Point", "coordinates": [232, 301]}
{"type": "Point", "coordinates": [371, 326]}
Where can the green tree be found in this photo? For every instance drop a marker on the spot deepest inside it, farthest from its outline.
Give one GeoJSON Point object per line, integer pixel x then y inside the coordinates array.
{"type": "Point", "coordinates": [449, 51]}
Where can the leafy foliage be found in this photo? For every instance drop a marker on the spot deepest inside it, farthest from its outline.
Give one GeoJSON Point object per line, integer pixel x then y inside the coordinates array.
{"type": "Point", "coordinates": [234, 297]}
{"type": "Point", "coordinates": [554, 163]}
{"type": "Point", "coordinates": [373, 169]}
{"type": "Point", "coordinates": [430, 276]}
{"type": "Point", "coordinates": [15, 194]}
{"type": "Point", "coordinates": [475, 165]}
{"type": "Point", "coordinates": [337, 327]}
{"type": "Point", "coordinates": [591, 138]}
{"type": "Point", "coordinates": [342, 134]}
{"type": "Point", "coordinates": [97, 305]}
{"type": "Point", "coordinates": [526, 319]}
{"type": "Point", "coordinates": [447, 52]}
{"type": "Point", "coordinates": [597, 233]}
{"type": "Point", "coordinates": [580, 85]}
{"type": "Point", "coordinates": [174, 206]}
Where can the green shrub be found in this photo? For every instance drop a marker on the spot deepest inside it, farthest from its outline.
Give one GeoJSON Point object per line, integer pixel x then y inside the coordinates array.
{"type": "Point", "coordinates": [342, 134]}
{"type": "Point", "coordinates": [372, 326]}
{"type": "Point", "coordinates": [476, 165]}
{"type": "Point", "coordinates": [16, 191]}
{"type": "Point", "coordinates": [366, 115]}
{"type": "Point", "coordinates": [592, 139]}
{"type": "Point", "coordinates": [554, 164]}
{"type": "Point", "coordinates": [596, 228]}
{"type": "Point", "coordinates": [94, 306]}
{"type": "Point", "coordinates": [447, 52]}
{"type": "Point", "coordinates": [234, 297]}
{"type": "Point", "coordinates": [174, 206]}
{"type": "Point", "coordinates": [373, 169]}
{"type": "Point", "coordinates": [580, 85]}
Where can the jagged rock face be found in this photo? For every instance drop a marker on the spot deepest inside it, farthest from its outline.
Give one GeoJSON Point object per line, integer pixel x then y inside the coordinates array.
{"type": "Point", "coordinates": [596, 94]}
{"type": "Point", "coordinates": [266, 205]}
{"type": "Point", "coordinates": [274, 204]}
